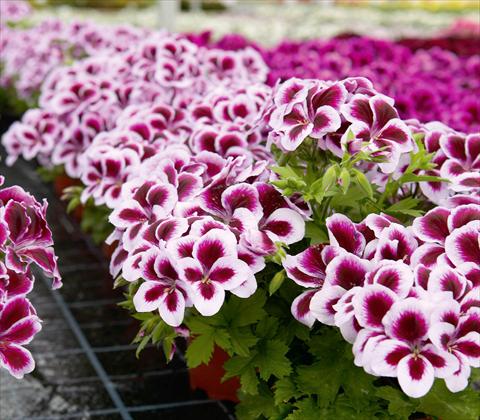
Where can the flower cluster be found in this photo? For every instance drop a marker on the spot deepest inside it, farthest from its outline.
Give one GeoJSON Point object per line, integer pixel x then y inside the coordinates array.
{"type": "Point", "coordinates": [197, 225]}
{"type": "Point", "coordinates": [428, 84]}
{"type": "Point", "coordinates": [427, 81]}
{"type": "Point", "coordinates": [29, 55]}
{"type": "Point", "coordinates": [177, 142]}
{"type": "Point", "coordinates": [25, 238]}
{"type": "Point", "coordinates": [169, 136]}
{"type": "Point", "coordinates": [144, 90]}
{"type": "Point", "coordinates": [347, 116]}
{"type": "Point", "coordinates": [13, 11]}
{"type": "Point", "coordinates": [406, 297]}
{"type": "Point", "coordinates": [457, 159]}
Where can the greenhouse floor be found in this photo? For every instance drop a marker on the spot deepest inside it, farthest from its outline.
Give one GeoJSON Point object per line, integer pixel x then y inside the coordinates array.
{"type": "Point", "coordinates": [85, 362]}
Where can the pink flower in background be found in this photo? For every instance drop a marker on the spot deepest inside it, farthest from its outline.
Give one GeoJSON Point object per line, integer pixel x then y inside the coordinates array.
{"type": "Point", "coordinates": [14, 10]}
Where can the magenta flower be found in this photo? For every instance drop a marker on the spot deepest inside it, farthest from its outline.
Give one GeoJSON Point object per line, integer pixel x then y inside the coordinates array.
{"type": "Point", "coordinates": [29, 237]}
{"type": "Point", "coordinates": [18, 326]}
{"type": "Point", "coordinates": [213, 268]}
{"type": "Point", "coordinates": [162, 289]}
{"type": "Point", "coordinates": [462, 167]}
{"type": "Point", "coordinates": [308, 270]}
{"type": "Point", "coordinates": [405, 355]}
{"type": "Point", "coordinates": [77, 136]}
{"type": "Point", "coordinates": [459, 335]}
{"type": "Point", "coordinates": [377, 127]}
{"type": "Point", "coordinates": [145, 203]}
{"type": "Point", "coordinates": [106, 171]}
{"type": "Point", "coordinates": [312, 110]}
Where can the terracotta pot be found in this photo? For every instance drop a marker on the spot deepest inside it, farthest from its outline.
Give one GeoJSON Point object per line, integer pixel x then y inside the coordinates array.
{"type": "Point", "coordinates": [108, 250]}
{"type": "Point", "coordinates": [63, 181]}
{"type": "Point", "coordinates": [77, 214]}
{"type": "Point", "coordinates": [208, 378]}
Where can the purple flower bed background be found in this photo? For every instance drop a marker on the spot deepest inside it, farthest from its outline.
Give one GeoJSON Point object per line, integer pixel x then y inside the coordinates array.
{"type": "Point", "coordinates": [427, 84]}
{"type": "Point", "coordinates": [431, 79]}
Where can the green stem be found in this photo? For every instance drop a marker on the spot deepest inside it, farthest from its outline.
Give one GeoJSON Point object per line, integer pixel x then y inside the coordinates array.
{"type": "Point", "coordinates": [284, 159]}
{"type": "Point", "coordinates": [326, 206]}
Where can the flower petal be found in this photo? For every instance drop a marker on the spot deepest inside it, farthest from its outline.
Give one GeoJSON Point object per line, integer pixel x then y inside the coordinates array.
{"type": "Point", "coordinates": [207, 297]}
{"type": "Point", "coordinates": [342, 232]}
{"type": "Point", "coordinates": [463, 244]}
{"type": "Point", "coordinates": [287, 225]}
{"type": "Point", "coordinates": [407, 320]}
{"type": "Point", "coordinates": [371, 304]}
{"type": "Point", "coordinates": [433, 226]}
{"type": "Point", "coordinates": [415, 376]}
{"type": "Point", "coordinates": [301, 308]}
{"type": "Point", "coordinates": [17, 360]}
{"type": "Point", "coordinates": [229, 272]}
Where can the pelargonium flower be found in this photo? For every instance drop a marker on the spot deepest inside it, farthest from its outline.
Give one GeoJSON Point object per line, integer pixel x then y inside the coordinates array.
{"type": "Point", "coordinates": [25, 238]}
{"type": "Point", "coordinates": [462, 166]}
{"type": "Point", "coordinates": [404, 354]}
{"type": "Point", "coordinates": [18, 326]}
{"type": "Point", "coordinates": [78, 134]}
{"type": "Point", "coordinates": [14, 11]}
{"type": "Point", "coordinates": [35, 136]}
{"type": "Point", "coordinates": [29, 238]}
{"type": "Point", "coordinates": [405, 297]}
{"type": "Point", "coordinates": [459, 335]}
{"type": "Point", "coordinates": [306, 108]}
{"type": "Point", "coordinates": [377, 128]}
{"type": "Point", "coordinates": [105, 170]}
{"type": "Point", "coordinates": [213, 269]}
{"type": "Point", "coordinates": [162, 289]}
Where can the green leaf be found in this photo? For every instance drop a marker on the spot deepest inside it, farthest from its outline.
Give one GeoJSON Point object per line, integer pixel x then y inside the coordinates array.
{"type": "Point", "coordinates": [398, 403]}
{"type": "Point", "coordinates": [167, 346]}
{"type": "Point", "coordinates": [308, 381]}
{"type": "Point", "coordinates": [344, 180]}
{"type": "Point", "coordinates": [267, 327]}
{"type": "Point", "coordinates": [316, 234]}
{"type": "Point", "coordinates": [285, 171]}
{"type": "Point", "coordinates": [284, 390]}
{"type": "Point", "coordinates": [255, 407]}
{"type": "Point", "coordinates": [446, 405]}
{"type": "Point", "coordinates": [142, 316]}
{"type": "Point", "coordinates": [241, 340]}
{"type": "Point", "coordinates": [249, 381]}
{"type": "Point", "coordinates": [276, 282]}
{"type": "Point", "coordinates": [272, 360]}
{"type": "Point", "coordinates": [404, 206]}
{"type": "Point", "coordinates": [239, 312]}
{"type": "Point", "coordinates": [330, 177]}
{"type": "Point", "coordinates": [243, 367]}
{"type": "Point", "coordinates": [364, 183]}
{"type": "Point", "coordinates": [160, 331]}
{"type": "Point", "coordinates": [200, 350]}
{"type": "Point", "coordinates": [421, 178]}
{"type": "Point", "coordinates": [142, 345]}
{"type": "Point", "coordinates": [73, 204]}
{"type": "Point", "coordinates": [199, 325]}
{"type": "Point", "coordinates": [307, 409]}
{"type": "Point", "coordinates": [222, 338]}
